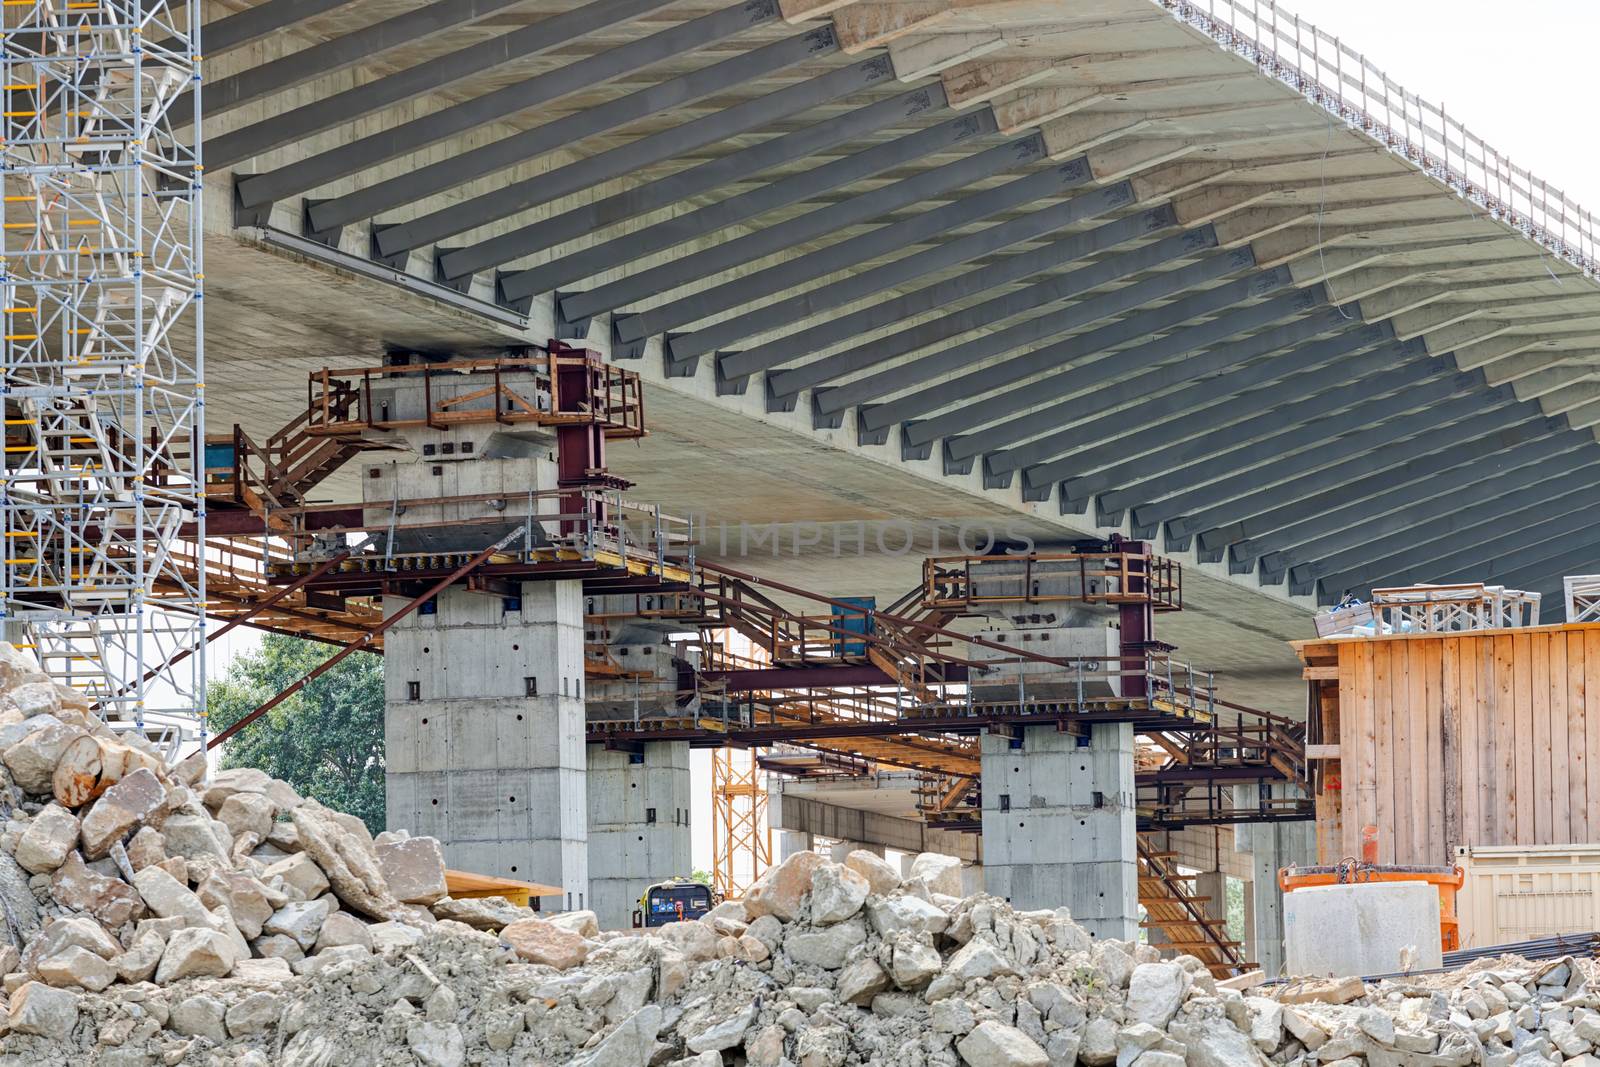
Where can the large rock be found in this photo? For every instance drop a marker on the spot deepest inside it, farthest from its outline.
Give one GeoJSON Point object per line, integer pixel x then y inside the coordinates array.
{"type": "Point", "coordinates": [301, 876]}
{"type": "Point", "coordinates": [51, 835]}
{"type": "Point", "coordinates": [139, 963]}
{"type": "Point", "coordinates": [340, 929]}
{"type": "Point", "coordinates": [538, 941]}
{"type": "Point", "coordinates": [18, 666]}
{"type": "Point", "coordinates": [248, 901]}
{"type": "Point", "coordinates": [42, 1010]}
{"type": "Point", "coordinates": [88, 766]}
{"type": "Point", "coordinates": [77, 967]}
{"type": "Point", "coordinates": [1221, 1046]}
{"type": "Point", "coordinates": [255, 1014]}
{"type": "Point", "coordinates": [828, 947]}
{"type": "Point", "coordinates": [247, 813]}
{"type": "Point", "coordinates": [723, 1033]}
{"type": "Point", "coordinates": [168, 898]}
{"type": "Point", "coordinates": [348, 862]}
{"type": "Point", "coordinates": [941, 873]}
{"type": "Point", "coordinates": [194, 837]}
{"type": "Point", "coordinates": [1155, 992]}
{"type": "Point", "coordinates": [977, 959]}
{"type": "Point", "coordinates": [994, 1044]}
{"type": "Point", "coordinates": [913, 962]}
{"type": "Point", "coordinates": [32, 760]}
{"type": "Point", "coordinates": [146, 848]}
{"type": "Point", "coordinates": [110, 900]}
{"type": "Point", "coordinates": [35, 698]}
{"type": "Point", "coordinates": [779, 889]}
{"type": "Point", "coordinates": [301, 920]}
{"type": "Point", "coordinates": [437, 1044]}
{"type": "Point", "coordinates": [882, 878]}
{"type": "Point", "coordinates": [413, 869]}
{"type": "Point", "coordinates": [199, 1016]}
{"type": "Point", "coordinates": [197, 952]}
{"type": "Point", "coordinates": [62, 934]}
{"type": "Point", "coordinates": [837, 893]}
{"type": "Point", "coordinates": [631, 1044]}
{"type": "Point", "coordinates": [891, 915]}
{"type": "Point", "coordinates": [122, 807]}
{"type": "Point", "coordinates": [481, 913]}
{"type": "Point", "coordinates": [861, 981]}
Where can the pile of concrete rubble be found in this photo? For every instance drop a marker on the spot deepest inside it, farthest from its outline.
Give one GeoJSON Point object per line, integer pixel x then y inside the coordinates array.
{"type": "Point", "coordinates": [155, 916]}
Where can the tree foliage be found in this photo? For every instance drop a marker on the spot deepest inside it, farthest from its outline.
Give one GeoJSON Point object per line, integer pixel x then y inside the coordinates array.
{"type": "Point", "coordinates": [326, 740]}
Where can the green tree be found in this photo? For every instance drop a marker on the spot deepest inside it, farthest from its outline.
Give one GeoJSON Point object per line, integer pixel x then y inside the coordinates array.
{"type": "Point", "coordinates": [326, 740]}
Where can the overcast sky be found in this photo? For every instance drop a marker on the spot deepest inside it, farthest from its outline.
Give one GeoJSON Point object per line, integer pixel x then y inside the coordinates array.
{"type": "Point", "coordinates": [1519, 75]}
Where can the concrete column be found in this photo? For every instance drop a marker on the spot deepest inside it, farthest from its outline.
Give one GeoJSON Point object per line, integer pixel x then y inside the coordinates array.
{"type": "Point", "coordinates": [638, 825]}
{"type": "Point", "coordinates": [1271, 846]}
{"type": "Point", "coordinates": [484, 733]}
{"type": "Point", "coordinates": [792, 841]}
{"type": "Point", "coordinates": [1059, 824]}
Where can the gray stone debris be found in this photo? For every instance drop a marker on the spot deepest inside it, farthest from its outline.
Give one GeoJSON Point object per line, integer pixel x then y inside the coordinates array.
{"type": "Point", "coordinates": [182, 922]}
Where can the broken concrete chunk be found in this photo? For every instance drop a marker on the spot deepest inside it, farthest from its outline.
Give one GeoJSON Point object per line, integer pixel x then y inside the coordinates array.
{"type": "Point", "coordinates": [342, 928]}
{"type": "Point", "coordinates": [413, 868]}
{"type": "Point", "coordinates": [300, 874]}
{"type": "Point", "coordinates": [941, 873]}
{"type": "Point", "coordinates": [837, 893]}
{"type": "Point", "coordinates": [139, 963]}
{"type": "Point", "coordinates": [196, 952]}
{"type": "Point", "coordinates": [47, 841]}
{"type": "Point", "coordinates": [300, 920]}
{"type": "Point", "coordinates": [538, 941]}
{"type": "Point", "coordinates": [39, 1009]}
{"type": "Point", "coordinates": [193, 837]}
{"type": "Point", "coordinates": [347, 860]}
{"type": "Point", "coordinates": [88, 766]}
{"type": "Point", "coordinates": [482, 913]}
{"type": "Point", "coordinates": [882, 879]}
{"type": "Point", "coordinates": [120, 808]}
{"type": "Point", "coordinates": [110, 900]}
{"type": "Point", "coordinates": [993, 1044]}
{"type": "Point", "coordinates": [245, 813]}
{"type": "Point", "coordinates": [146, 848]}
{"type": "Point", "coordinates": [779, 889]}
{"type": "Point", "coordinates": [32, 760]}
{"type": "Point", "coordinates": [77, 967]}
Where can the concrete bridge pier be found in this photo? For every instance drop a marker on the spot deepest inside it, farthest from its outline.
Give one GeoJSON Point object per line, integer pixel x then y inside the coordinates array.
{"type": "Point", "coordinates": [484, 733]}
{"type": "Point", "coordinates": [638, 806]}
{"type": "Point", "coordinates": [1059, 824]}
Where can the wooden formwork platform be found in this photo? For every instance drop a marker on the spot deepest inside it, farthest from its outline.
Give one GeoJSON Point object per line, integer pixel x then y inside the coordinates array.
{"type": "Point", "coordinates": [1487, 737]}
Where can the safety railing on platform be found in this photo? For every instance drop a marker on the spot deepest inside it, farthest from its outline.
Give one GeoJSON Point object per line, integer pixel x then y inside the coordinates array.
{"type": "Point", "coordinates": [1350, 87]}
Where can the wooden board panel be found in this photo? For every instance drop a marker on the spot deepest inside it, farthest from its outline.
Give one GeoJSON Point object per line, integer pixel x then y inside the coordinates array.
{"type": "Point", "coordinates": [1430, 775]}
{"type": "Point", "coordinates": [1453, 798]}
{"type": "Point", "coordinates": [1562, 755]}
{"type": "Point", "coordinates": [1462, 739]}
{"type": "Point", "coordinates": [1383, 705]}
{"type": "Point", "coordinates": [1505, 739]}
{"type": "Point", "coordinates": [1540, 777]}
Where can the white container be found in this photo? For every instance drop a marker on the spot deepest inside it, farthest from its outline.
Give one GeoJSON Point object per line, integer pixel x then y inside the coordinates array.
{"type": "Point", "coordinates": [1361, 929]}
{"type": "Point", "coordinates": [1522, 892]}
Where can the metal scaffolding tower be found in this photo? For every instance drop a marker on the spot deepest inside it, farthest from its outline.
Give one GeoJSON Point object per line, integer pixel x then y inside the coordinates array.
{"type": "Point", "coordinates": [741, 840]}
{"type": "Point", "coordinates": [105, 470]}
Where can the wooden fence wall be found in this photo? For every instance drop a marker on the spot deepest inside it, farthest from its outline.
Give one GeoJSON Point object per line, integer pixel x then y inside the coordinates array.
{"type": "Point", "coordinates": [1466, 740]}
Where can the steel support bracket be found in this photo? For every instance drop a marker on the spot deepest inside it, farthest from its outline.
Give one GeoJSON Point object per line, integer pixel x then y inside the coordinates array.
{"type": "Point", "coordinates": [330, 236]}
{"type": "Point", "coordinates": [772, 401]}
{"type": "Point", "coordinates": [671, 365]}
{"type": "Point", "coordinates": [397, 261]}
{"type": "Point", "coordinates": [257, 215]}
{"type": "Point", "coordinates": [993, 479]}
{"type": "Point", "coordinates": [463, 284]}
{"type": "Point", "coordinates": [620, 349]}
{"type": "Point", "coordinates": [1066, 505]}
{"type": "Point", "coordinates": [579, 327]}
{"type": "Point", "coordinates": [909, 451]}
{"type": "Point", "coordinates": [727, 386]}
{"type": "Point", "coordinates": [522, 305]}
{"type": "Point", "coordinates": [951, 465]}
{"type": "Point", "coordinates": [864, 435]}
{"type": "Point", "coordinates": [1264, 576]}
{"type": "Point", "coordinates": [824, 420]}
